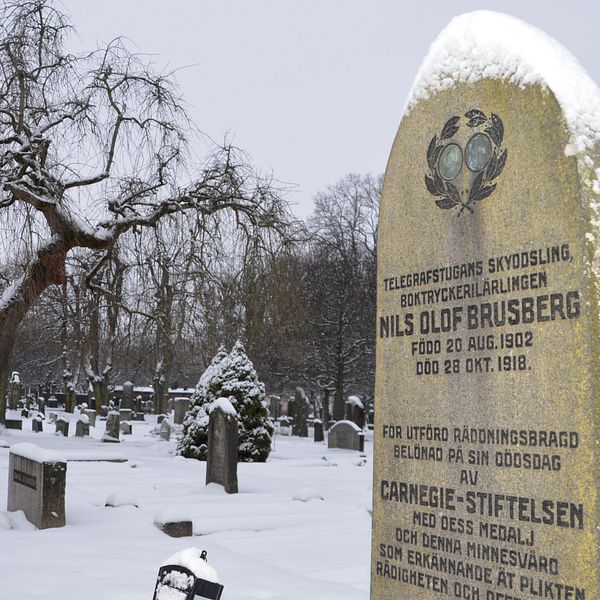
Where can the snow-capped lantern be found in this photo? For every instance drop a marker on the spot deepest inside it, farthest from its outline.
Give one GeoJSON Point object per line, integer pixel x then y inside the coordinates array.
{"type": "Point", "coordinates": [187, 576]}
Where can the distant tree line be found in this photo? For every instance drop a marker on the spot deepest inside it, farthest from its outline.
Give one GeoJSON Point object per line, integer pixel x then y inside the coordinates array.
{"type": "Point", "coordinates": [155, 309]}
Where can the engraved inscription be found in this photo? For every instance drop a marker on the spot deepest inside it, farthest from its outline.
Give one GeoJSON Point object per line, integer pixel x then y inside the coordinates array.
{"type": "Point", "coordinates": [25, 479]}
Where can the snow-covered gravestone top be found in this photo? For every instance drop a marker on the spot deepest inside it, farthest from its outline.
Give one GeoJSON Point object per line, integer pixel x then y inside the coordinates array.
{"type": "Point", "coordinates": [222, 454]}
{"type": "Point", "coordinates": [487, 326]}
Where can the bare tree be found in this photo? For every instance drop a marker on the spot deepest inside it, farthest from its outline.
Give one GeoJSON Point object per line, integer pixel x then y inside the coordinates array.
{"type": "Point", "coordinates": [91, 147]}
{"type": "Point", "coordinates": [339, 288]}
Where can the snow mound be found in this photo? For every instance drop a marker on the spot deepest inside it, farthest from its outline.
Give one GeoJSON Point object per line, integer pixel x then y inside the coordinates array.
{"type": "Point", "coordinates": [4, 444]}
{"type": "Point", "coordinates": [14, 520]}
{"type": "Point", "coordinates": [225, 405]}
{"type": "Point", "coordinates": [33, 452]}
{"type": "Point", "coordinates": [117, 499]}
{"type": "Point", "coordinates": [190, 559]}
{"type": "Point", "coordinates": [171, 514]}
{"type": "Point", "coordinates": [308, 493]}
{"type": "Point", "coordinates": [355, 401]}
{"type": "Point", "coordinates": [83, 419]}
{"type": "Point", "coordinates": [486, 44]}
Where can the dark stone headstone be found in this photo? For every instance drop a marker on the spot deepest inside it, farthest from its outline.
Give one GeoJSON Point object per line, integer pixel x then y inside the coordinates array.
{"type": "Point", "coordinates": [37, 425]}
{"type": "Point", "coordinates": [13, 424]}
{"type": "Point", "coordinates": [346, 434]}
{"type": "Point", "coordinates": [355, 411]}
{"type": "Point", "coordinates": [318, 431]}
{"type": "Point", "coordinates": [82, 429]}
{"type": "Point", "coordinates": [181, 406]}
{"type": "Point", "coordinates": [160, 418]}
{"type": "Point", "coordinates": [222, 454]}
{"type": "Point", "coordinates": [138, 416]}
{"type": "Point", "coordinates": [52, 402]}
{"type": "Point", "coordinates": [177, 529]}
{"type": "Point", "coordinates": [127, 400]}
{"type": "Point", "coordinates": [104, 411]}
{"type": "Point", "coordinates": [36, 485]}
{"type": "Point", "coordinates": [62, 426]}
{"type": "Point", "coordinates": [25, 413]}
{"type": "Point", "coordinates": [113, 422]}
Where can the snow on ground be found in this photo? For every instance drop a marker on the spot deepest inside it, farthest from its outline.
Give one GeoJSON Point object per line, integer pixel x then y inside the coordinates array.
{"type": "Point", "coordinates": [277, 539]}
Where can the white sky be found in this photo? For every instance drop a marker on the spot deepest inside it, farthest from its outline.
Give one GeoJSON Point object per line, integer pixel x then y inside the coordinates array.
{"type": "Point", "coordinates": [310, 89]}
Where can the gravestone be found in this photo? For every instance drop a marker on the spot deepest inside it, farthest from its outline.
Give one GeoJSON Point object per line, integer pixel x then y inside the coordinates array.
{"type": "Point", "coordinates": [15, 390]}
{"type": "Point", "coordinates": [13, 424]}
{"type": "Point", "coordinates": [52, 402]}
{"type": "Point", "coordinates": [36, 485]}
{"type": "Point", "coordinates": [181, 407]}
{"type": "Point", "coordinates": [355, 411]}
{"type": "Point", "coordinates": [318, 430]}
{"type": "Point", "coordinates": [165, 430]}
{"type": "Point", "coordinates": [62, 426]}
{"type": "Point", "coordinates": [111, 433]}
{"type": "Point", "coordinates": [90, 413]}
{"type": "Point", "coordinates": [127, 399]}
{"type": "Point", "coordinates": [82, 427]}
{"type": "Point", "coordinates": [37, 425]}
{"type": "Point", "coordinates": [301, 406]}
{"type": "Point", "coordinates": [125, 414]}
{"type": "Point", "coordinates": [346, 434]}
{"type": "Point", "coordinates": [24, 413]}
{"type": "Point", "coordinates": [222, 454]}
{"type": "Point", "coordinates": [52, 416]}
{"type": "Point", "coordinates": [126, 428]}
{"type": "Point", "coordinates": [160, 418]}
{"type": "Point", "coordinates": [486, 417]}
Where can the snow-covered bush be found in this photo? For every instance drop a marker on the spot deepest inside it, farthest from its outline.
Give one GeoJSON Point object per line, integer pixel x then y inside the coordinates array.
{"type": "Point", "coordinates": [195, 423]}
{"type": "Point", "coordinates": [230, 376]}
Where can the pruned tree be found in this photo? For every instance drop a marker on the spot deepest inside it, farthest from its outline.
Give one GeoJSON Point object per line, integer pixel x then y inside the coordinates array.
{"type": "Point", "coordinates": [91, 147]}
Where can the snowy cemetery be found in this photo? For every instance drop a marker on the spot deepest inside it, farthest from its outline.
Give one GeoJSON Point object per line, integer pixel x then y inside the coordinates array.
{"type": "Point", "coordinates": [203, 398]}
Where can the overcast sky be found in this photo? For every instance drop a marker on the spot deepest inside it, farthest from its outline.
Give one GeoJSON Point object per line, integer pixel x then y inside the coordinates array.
{"type": "Point", "coordinates": [310, 89]}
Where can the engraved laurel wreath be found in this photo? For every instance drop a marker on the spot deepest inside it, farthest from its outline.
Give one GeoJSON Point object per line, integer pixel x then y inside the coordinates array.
{"type": "Point", "coordinates": [483, 156]}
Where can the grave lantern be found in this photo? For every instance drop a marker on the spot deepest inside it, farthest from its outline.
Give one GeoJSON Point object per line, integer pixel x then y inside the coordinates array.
{"type": "Point", "coordinates": [187, 577]}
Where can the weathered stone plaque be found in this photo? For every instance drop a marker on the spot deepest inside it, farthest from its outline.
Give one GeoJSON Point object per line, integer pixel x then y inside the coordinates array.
{"type": "Point", "coordinates": [486, 421]}
{"type": "Point", "coordinates": [222, 455]}
{"type": "Point", "coordinates": [36, 485]}
{"type": "Point", "coordinates": [346, 434]}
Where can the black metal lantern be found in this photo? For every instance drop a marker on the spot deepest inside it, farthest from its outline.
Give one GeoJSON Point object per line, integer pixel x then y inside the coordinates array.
{"type": "Point", "coordinates": [175, 578]}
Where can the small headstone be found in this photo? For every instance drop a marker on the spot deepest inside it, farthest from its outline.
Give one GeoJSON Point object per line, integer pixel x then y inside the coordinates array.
{"type": "Point", "coordinates": [181, 406]}
{"type": "Point", "coordinates": [90, 413]}
{"type": "Point", "coordinates": [62, 426]}
{"type": "Point", "coordinates": [355, 411]}
{"type": "Point", "coordinates": [138, 416]}
{"type": "Point", "coordinates": [125, 414]}
{"type": "Point", "coordinates": [82, 427]}
{"type": "Point", "coordinates": [25, 413]}
{"type": "Point", "coordinates": [222, 454]}
{"type": "Point", "coordinates": [174, 522]}
{"type": "Point", "coordinates": [126, 428]}
{"type": "Point", "coordinates": [127, 399]}
{"type": "Point", "coordinates": [177, 529]}
{"type": "Point", "coordinates": [37, 425]}
{"type": "Point", "coordinates": [113, 421]}
{"type": "Point", "coordinates": [165, 430]}
{"type": "Point", "coordinates": [160, 418]}
{"type": "Point", "coordinates": [52, 416]}
{"type": "Point", "coordinates": [13, 424]}
{"type": "Point", "coordinates": [346, 434]}
{"type": "Point", "coordinates": [104, 411]}
{"type": "Point", "coordinates": [36, 485]}
{"type": "Point", "coordinates": [52, 402]}
{"type": "Point", "coordinates": [318, 430]}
